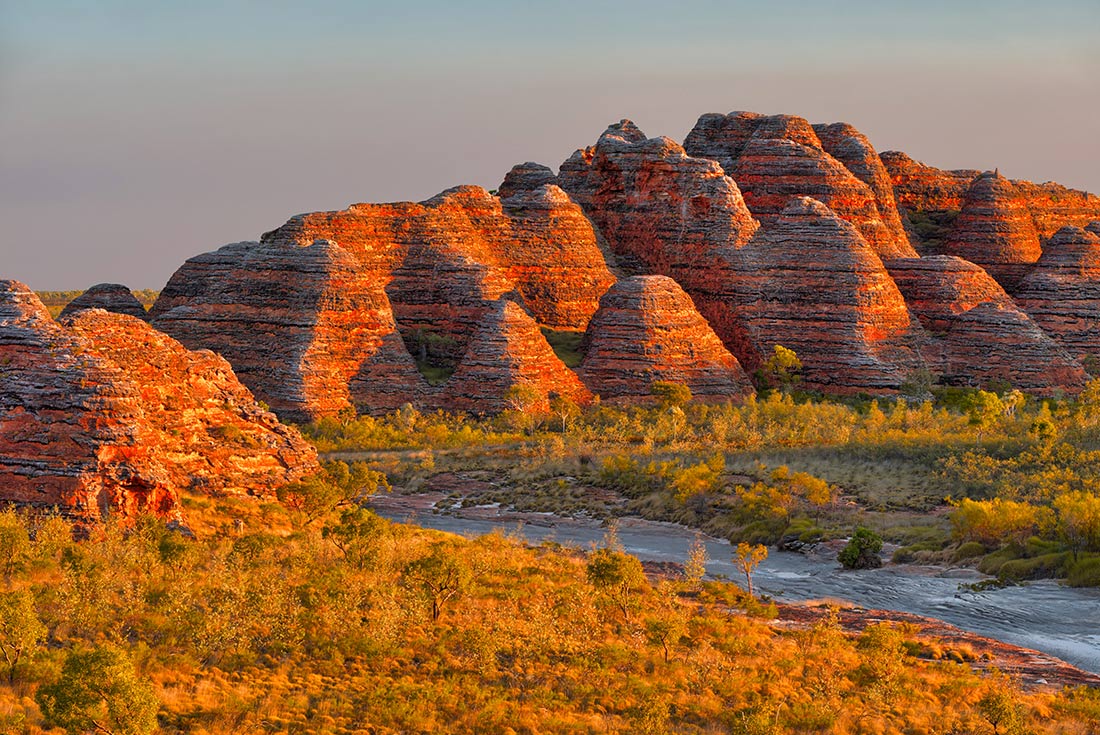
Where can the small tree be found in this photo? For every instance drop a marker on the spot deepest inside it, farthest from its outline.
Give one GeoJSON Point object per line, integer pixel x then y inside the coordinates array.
{"type": "Point", "coordinates": [862, 550]}
{"type": "Point", "coordinates": [15, 542]}
{"type": "Point", "coordinates": [616, 574]}
{"type": "Point", "coordinates": [747, 558]}
{"type": "Point", "coordinates": [669, 394]}
{"type": "Point", "coordinates": [20, 628]}
{"type": "Point", "coordinates": [984, 410]}
{"type": "Point", "coordinates": [565, 409]}
{"type": "Point", "coordinates": [665, 630]}
{"type": "Point", "coordinates": [783, 369]}
{"type": "Point", "coordinates": [338, 484]}
{"type": "Point", "coordinates": [999, 706]}
{"type": "Point", "coordinates": [99, 691]}
{"type": "Point", "coordinates": [695, 566]}
{"type": "Point", "coordinates": [439, 577]}
{"type": "Point", "coordinates": [1079, 520]}
{"type": "Point", "coordinates": [356, 534]}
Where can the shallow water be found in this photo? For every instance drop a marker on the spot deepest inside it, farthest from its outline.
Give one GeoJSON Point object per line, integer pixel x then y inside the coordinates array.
{"type": "Point", "coordinates": [1060, 621]}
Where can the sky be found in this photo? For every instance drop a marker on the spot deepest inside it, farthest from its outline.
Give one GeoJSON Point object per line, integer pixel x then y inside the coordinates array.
{"type": "Point", "coordinates": [136, 134]}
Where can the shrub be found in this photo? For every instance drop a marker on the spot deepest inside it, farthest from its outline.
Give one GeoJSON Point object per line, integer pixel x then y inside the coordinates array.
{"type": "Point", "coordinates": [862, 550]}
{"type": "Point", "coordinates": [969, 550]}
{"type": "Point", "coordinates": [1085, 573]}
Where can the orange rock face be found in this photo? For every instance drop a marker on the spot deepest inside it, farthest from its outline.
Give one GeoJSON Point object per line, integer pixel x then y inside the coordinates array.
{"type": "Point", "coordinates": [976, 332]}
{"type": "Point", "coordinates": [775, 159]}
{"type": "Point", "coordinates": [443, 262]}
{"type": "Point", "coordinates": [808, 281]}
{"type": "Point", "coordinates": [815, 286]}
{"type": "Point", "coordinates": [1062, 292]}
{"type": "Point", "coordinates": [995, 230]}
{"type": "Point", "coordinates": [507, 352]}
{"type": "Point", "coordinates": [922, 188]}
{"type": "Point", "coordinates": [647, 330]}
{"type": "Point", "coordinates": [928, 192]}
{"type": "Point", "coordinates": [112, 297]}
{"type": "Point", "coordinates": [661, 211]}
{"type": "Point", "coordinates": [102, 415]}
{"type": "Point", "coordinates": [305, 328]}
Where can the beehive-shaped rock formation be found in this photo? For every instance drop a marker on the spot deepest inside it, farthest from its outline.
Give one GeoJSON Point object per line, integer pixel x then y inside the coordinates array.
{"type": "Point", "coordinates": [775, 159]}
{"type": "Point", "coordinates": [298, 324]}
{"type": "Point", "coordinates": [976, 334]}
{"type": "Point", "coordinates": [647, 330]}
{"type": "Point", "coordinates": [509, 352]}
{"type": "Point", "coordinates": [102, 415]}
{"type": "Point", "coordinates": [995, 230]}
{"type": "Point", "coordinates": [823, 292]}
{"type": "Point", "coordinates": [1062, 292]}
{"type": "Point", "coordinates": [113, 297]}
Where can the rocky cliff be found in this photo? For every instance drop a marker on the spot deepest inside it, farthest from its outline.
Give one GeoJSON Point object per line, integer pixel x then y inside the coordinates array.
{"type": "Point", "coordinates": [647, 330]}
{"type": "Point", "coordinates": [102, 415]}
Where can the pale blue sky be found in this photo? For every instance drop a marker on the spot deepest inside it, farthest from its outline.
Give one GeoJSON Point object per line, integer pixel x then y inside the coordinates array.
{"type": "Point", "coordinates": [135, 134]}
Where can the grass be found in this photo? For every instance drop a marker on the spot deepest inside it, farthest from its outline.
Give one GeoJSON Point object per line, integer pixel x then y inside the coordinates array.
{"type": "Point", "coordinates": [276, 629]}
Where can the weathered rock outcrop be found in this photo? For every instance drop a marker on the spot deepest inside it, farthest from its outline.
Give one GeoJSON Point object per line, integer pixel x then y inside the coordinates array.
{"type": "Point", "coordinates": [104, 415]}
{"type": "Point", "coordinates": [298, 324]}
{"type": "Point", "coordinates": [775, 159]}
{"type": "Point", "coordinates": [214, 436]}
{"type": "Point", "coordinates": [508, 352]}
{"type": "Point", "coordinates": [819, 289]}
{"type": "Point", "coordinates": [1054, 206]}
{"type": "Point", "coordinates": [995, 230]}
{"type": "Point", "coordinates": [1062, 292]}
{"type": "Point", "coordinates": [809, 282]}
{"type": "Point", "coordinates": [647, 330]}
{"type": "Point", "coordinates": [525, 177]}
{"type": "Point", "coordinates": [922, 188]}
{"type": "Point", "coordinates": [976, 334]}
{"type": "Point", "coordinates": [661, 211]}
{"type": "Point", "coordinates": [112, 297]}
{"type": "Point", "coordinates": [931, 199]}
{"type": "Point", "coordinates": [445, 261]}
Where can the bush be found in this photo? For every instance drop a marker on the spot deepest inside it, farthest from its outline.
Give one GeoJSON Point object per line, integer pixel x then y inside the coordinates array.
{"type": "Point", "coordinates": [969, 550]}
{"type": "Point", "coordinates": [1085, 573]}
{"type": "Point", "coordinates": [862, 550]}
{"type": "Point", "coordinates": [1047, 566]}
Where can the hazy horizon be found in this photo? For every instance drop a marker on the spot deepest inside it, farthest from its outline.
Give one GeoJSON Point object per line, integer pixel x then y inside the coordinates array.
{"type": "Point", "coordinates": [135, 137]}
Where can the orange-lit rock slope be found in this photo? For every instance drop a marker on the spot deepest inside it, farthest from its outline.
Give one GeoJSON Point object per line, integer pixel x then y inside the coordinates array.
{"type": "Point", "coordinates": [775, 159]}
{"type": "Point", "coordinates": [806, 280]}
{"type": "Point", "coordinates": [976, 334]}
{"type": "Point", "coordinates": [509, 352]}
{"type": "Point", "coordinates": [779, 231]}
{"type": "Point", "coordinates": [647, 330]}
{"type": "Point", "coordinates": [1062, 292]}
{"type": "Point", "coordinates": [298, 324]}
{"type": "Point", "coordinates": [102, 415]}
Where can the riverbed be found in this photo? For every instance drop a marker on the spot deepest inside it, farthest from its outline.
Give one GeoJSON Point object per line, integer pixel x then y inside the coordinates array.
{"type": "Point", "coordinates": [1045, 616]}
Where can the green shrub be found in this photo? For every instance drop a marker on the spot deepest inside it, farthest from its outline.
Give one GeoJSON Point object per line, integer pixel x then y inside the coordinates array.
{"type": "Point", "coordinates": [969, 550]}
{"type": "Point", "coordinates": [862, 550]}
{"type": "Point", "coordinates": [1047, 566]}
{"type": "Point", "coordinates": [1084, 573]}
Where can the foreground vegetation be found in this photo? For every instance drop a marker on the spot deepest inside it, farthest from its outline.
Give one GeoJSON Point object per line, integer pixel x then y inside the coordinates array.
{"type": "Point", "coordinates": [352, 624]}
{"type": "Point", "coordinates": [1002, 481]}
